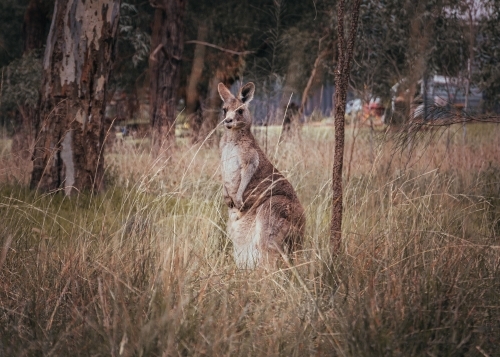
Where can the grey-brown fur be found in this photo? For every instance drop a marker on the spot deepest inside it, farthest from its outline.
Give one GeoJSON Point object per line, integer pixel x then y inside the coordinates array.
{"type": "Point", "coordinates": [266, 218]}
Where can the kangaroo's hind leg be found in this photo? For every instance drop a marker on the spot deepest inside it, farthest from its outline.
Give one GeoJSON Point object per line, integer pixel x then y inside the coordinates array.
{"type": "Point", "coordinates": [279, 234]}
{"type": "Point", "coordinates": [245, 233]}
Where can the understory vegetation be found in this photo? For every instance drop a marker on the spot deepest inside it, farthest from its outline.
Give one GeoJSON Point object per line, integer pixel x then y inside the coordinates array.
{"type": "Point", "coordinates": [145, 268]}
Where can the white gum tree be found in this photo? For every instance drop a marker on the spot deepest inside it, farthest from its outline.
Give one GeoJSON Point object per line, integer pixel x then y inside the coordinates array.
{"type": "Point", "coordinates": [70, 122]}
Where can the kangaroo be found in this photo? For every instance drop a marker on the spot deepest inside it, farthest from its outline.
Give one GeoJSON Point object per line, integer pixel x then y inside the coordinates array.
{"type": "Point", "coordinates": [266, 218]}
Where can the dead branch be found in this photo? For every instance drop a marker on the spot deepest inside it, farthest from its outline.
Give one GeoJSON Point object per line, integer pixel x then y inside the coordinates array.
{"type": "Point", "coordinates": [152, 57]}
{"type": "Point", "coordinates": [220, 48]}
{"type": "Point", "coordinates": [436, 117]}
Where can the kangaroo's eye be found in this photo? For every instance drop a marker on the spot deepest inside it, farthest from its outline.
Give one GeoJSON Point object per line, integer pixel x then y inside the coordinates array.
{"type": "Point", "coordinates": [240, 111]}
{"type": "Point", "coordinates": [224, 110]}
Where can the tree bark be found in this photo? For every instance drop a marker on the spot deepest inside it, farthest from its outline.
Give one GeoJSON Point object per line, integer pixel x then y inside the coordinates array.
{"type": "Point", "coordinates": [167, 45]}
{"type": "Point", "coordinates": [342, 71]}
{"type": "Point", "coordinates": [71, 128]}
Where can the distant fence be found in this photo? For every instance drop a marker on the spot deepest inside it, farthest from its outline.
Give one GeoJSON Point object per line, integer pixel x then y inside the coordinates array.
{"type": "Point", "coordinates": [266, 108]}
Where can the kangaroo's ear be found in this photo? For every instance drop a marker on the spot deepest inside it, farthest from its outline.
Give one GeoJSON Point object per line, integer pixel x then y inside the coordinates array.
{"type": "Point", "coordinates": [246, 92]}
{"type": "Point", "coordinates": [224, 93]}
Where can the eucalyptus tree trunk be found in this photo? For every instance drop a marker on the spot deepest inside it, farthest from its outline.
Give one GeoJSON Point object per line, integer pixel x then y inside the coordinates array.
{"type": "Point", "coordinates": [342, 71]}
{"type": "Point", "coordinates": [167, 45]}
{"type": "Point", "coordinates": [71, 129]}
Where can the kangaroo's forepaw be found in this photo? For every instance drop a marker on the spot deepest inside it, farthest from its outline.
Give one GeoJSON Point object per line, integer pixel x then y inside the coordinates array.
{"type": "Point", "coordinates": [235, 214]}
{"type": "Point", "coordinates": [238, 203]}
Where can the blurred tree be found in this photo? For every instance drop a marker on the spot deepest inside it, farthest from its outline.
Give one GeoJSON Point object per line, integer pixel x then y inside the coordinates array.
{"type": "Point", "coordinates": [12, 13]}
{"type": "Point", "coordinates": [130, 78]}
{"type": "Point", "coordinates": [193, 108]}
{"type": "Point", "coordinates": [35, 24]}
{"type": "Point", "coordinates": [323, 52]}
{"type": "Point", "coordinates": [228, 69]}
{"type": "Point", "coordinates": [487, 57]}
{"type": "Point", "coordinates": [76, 67]}
{"type": "Point", "coordinates": [450, 41]}
{"type": "Point", "coordinates": [11, 49]}
{"type": "Point", "coordinates": [269, 43]}
{"type": "Point", "coordinates": [35, 27]}
{"type": "Point", "coordinates": [20, 88]}
{"type": "Point", "coordinates": [218, 52]}
{"type": "Point", "coordinates": [381, 49]}
{"type": "Point", "coordinates": [167, 44]}
{"type": "Point", "coordinates": [290, 60]}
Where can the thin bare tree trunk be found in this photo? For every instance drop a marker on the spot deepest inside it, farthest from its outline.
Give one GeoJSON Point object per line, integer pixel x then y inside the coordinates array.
{"type": "Point", "coordinates": [71, 130]}
{"type": "Point", "coordinates": [345, 51]}
{"type": "Point", "coordinates": [167, 45]}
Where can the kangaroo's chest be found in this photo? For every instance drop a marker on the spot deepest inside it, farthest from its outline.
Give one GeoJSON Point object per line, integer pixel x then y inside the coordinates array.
{"type": "Point", "coordinates": [231, 167]}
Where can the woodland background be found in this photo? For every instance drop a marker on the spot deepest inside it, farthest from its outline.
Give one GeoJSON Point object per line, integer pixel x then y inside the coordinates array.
{"type": "Point", "coordinates": [286, 47]}
{"type": "Point", "coordinates": [132, 258]}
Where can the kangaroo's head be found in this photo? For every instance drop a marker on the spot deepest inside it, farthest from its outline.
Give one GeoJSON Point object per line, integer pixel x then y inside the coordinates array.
{"type": "Point", "coordinates": [236, 113]}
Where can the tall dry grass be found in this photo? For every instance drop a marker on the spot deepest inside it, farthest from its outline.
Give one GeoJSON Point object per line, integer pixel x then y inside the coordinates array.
{"type": "Point", "coordinates": [145, 268]}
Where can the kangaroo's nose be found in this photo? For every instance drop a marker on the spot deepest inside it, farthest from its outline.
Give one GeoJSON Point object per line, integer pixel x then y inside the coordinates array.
{"type": "Point", "coordinates": [228, 120]}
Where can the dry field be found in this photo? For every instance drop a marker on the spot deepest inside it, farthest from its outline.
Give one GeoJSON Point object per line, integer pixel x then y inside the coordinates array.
{"type": "Point", "coordinates": [145, 268]}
